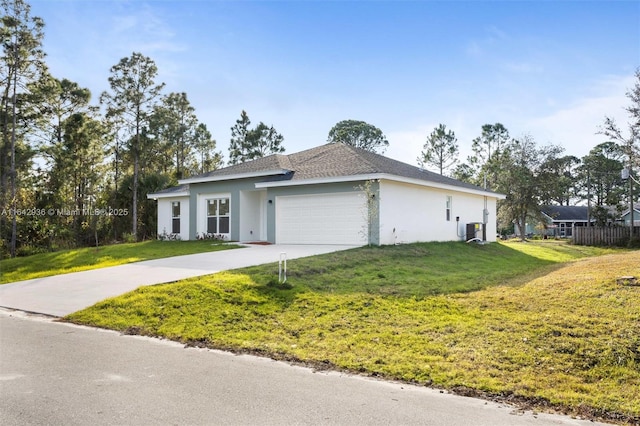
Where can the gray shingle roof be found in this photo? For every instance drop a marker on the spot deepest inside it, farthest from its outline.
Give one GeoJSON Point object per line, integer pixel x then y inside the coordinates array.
{"type": "Point", "coordinates": [566, 213]}
{"type": "Point", "coordinates": [331, 161]}
{"type": "Point", "coordinates": [173, 189]}
{"type": "Point", "coordinates": [269, 163]}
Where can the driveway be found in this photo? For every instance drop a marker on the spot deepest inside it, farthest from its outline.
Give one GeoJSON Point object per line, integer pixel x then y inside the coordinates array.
{"type": "Point", "coordinates": [61, 295]}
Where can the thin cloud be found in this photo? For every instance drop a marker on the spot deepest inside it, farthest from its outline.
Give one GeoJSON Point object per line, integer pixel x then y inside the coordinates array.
{"type": "Point", "coordinates": [144, 30]}
{"type": "Point", "coordinates": [481, 46]}
{"type": "Point", "coordinates": [497, 33]}
{"type": "Point", "coordinates": [524, 67]}
{"type": "Point", "coordinates": [576, 127]}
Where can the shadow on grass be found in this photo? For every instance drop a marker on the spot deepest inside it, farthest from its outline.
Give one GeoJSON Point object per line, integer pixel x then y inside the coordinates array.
{"type": "Point", "coordinates": [413, 270]}
{"type": "Point", "coordinates": [82, 259]}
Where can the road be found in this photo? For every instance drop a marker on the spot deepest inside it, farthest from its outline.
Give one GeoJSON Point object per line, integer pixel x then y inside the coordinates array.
{"type": "Point", "coordinates": [60, 374]}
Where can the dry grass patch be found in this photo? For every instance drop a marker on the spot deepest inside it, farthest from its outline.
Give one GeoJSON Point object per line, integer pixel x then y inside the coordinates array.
{"type": "Point", "coordinates": [571, 338]}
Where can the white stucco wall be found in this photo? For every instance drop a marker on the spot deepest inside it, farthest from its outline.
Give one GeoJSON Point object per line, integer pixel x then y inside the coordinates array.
{"type": "Point", "coordinates": [412, 213]}
{"type": "Point", "coordinates": [164, 216]}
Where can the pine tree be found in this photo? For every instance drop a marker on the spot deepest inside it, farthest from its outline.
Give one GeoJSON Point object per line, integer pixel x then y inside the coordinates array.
{"type": "Point", "coordinates": [249, 144]}
{"type": "Point", "coordinates": [133, 96]}
{"type": "Point", "coordinates": [21, 67]}
{"type": "Point", "coordinates": [440, 150]}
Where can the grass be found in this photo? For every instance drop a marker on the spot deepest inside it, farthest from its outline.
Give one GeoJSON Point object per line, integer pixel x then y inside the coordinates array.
{"type": "Point", "coordinates": [65, 261]}
{"type": "Point", "coordinates": [420, 270]}
{"type": "Point", "coordinates": [544, 323]}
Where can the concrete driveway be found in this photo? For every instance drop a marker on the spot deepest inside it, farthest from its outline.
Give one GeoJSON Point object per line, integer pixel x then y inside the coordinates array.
{"type": "Point", "coordinates": [61, 295]}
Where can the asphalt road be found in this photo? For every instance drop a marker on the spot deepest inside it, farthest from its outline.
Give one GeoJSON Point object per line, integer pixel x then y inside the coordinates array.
{"type": "Point", "coordinates": [59, 374]}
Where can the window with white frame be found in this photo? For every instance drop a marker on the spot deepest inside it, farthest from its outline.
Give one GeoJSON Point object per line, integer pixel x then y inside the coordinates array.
{"type": "Point", "coordinates": [218, 216]}
{"type": "Point", "coordinates": [175, 217]}
{"type": "Point", "coordinates": [448, 208]}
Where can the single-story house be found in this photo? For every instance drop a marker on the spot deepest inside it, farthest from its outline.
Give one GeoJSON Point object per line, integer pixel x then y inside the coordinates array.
{"type": "Point", "coordinates": [625, 217]}
{"type": "Point", "coordinates": [331, 194]}
{"type": "Point", "coordinates": [560, 220]}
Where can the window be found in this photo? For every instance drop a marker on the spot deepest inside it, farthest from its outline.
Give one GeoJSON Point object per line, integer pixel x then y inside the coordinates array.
{"type": "Point", "coordinates": [175, 217]}
{"type": "Point", "coordinates": [449, 199]}
{"type": "Point", "coordinates": [218, 216]}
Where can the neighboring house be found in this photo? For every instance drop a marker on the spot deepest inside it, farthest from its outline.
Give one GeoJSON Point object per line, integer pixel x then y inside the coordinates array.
{"type": "Point", "coordinates": [560, 220]}
{"type": "Point", "coordinates": [626, 216]}
{"type": "Point", "coordinates": [320, 196]}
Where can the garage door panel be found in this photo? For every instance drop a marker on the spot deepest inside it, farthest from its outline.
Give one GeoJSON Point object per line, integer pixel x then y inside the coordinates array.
{"type": "Point", "coordinates": [321, 219]}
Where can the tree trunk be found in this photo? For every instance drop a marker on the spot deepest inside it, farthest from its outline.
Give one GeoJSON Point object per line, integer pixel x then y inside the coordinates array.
{"type": "Point", "coordinates": [631, 221]}
{"type": "Point", "coordinates": [523, 228]}
{"type": "Point", "coordinates": [115, 192]}
{"type": "Point", "coordinates": [134, 212]}
{"type": "Point", "coordinates": [136, 160]}
{"type": "Point", "coordinates": [14, 199]}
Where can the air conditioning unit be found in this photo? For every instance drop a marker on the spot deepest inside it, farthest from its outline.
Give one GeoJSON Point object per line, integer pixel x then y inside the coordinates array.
{"type": "Point", "coordinates": [474, 231]}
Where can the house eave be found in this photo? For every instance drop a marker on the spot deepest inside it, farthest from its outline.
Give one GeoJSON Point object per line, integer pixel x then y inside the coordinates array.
{"type": "Point", "coordinates": [316, 181]}
{"type": "Point", "coordinates": [444, 186]}
{"type": "Point", "coordinates": [377, 176]}
{"type": "Point", "coordinates": [168, 195]}
{"type": "Point", "coordinates": [627, 211]}
{"type": "Point", "coordinates": [236, 176]}
{"type": "Point", "coordinates": [550, 219]}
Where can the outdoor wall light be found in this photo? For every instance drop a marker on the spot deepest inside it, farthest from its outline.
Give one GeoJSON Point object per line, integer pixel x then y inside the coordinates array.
{"type": "Point", "coordinates": [270, 201]}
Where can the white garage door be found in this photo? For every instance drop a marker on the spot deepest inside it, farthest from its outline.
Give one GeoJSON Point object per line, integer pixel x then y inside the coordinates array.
{"type": "Point", "coordinates": [321, 219]}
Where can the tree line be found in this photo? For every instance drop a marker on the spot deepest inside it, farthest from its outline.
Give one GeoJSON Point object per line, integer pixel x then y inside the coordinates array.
{"type": "Point", "coordinates": [75, 170]}
{"type": "Point", "coordinates": [531, 175]}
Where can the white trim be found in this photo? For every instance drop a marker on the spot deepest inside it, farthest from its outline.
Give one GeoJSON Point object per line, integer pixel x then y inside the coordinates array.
{"type": "Point", "coordinates": [201, 216]}
{"type": "Point", "coordinates": [168, 195]}
{"type": "Point", "coordinates": [218, 178]}
{"type": "Point", "coordinates": [375, 176]}
{"type": "Point", "coordinates": [627, 211]}
{"type": "Point", "coordinates": [316, 181]}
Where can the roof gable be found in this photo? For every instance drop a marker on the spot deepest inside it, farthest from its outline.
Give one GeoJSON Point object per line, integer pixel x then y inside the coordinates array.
{"type": "Point", "coordinates": [636, 209]}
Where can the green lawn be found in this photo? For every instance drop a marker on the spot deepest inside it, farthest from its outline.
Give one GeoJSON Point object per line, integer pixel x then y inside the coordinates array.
{"type": "Point", "coordinates": [65, 261]}
{"type": "Point", "coordinates": [423, 269]}
{"type": "Point", "coordinates": [544, 323]}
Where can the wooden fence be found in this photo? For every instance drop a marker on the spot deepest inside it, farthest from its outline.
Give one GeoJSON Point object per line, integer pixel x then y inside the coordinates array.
{"type": "Point", "coordinates": [603, 236]}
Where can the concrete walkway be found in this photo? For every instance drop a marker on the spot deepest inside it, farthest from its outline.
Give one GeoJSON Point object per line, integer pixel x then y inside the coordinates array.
{"type": "Point", "coordinates": [61, 295]}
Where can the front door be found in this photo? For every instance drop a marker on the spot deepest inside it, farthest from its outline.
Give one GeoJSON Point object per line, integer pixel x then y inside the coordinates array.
{"type": "Point", "coordinates": [253, 215]}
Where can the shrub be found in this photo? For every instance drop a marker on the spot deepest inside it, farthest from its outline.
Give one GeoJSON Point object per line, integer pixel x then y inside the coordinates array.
{"type": "Point", "coordinates": [128, 237]}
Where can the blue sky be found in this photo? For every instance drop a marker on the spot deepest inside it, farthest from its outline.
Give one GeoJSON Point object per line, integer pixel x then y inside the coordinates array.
{"type": "Point", "coordinates": [551, 69]}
